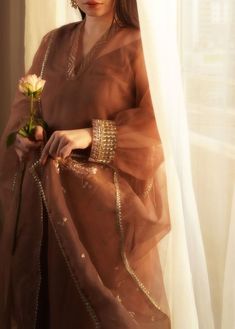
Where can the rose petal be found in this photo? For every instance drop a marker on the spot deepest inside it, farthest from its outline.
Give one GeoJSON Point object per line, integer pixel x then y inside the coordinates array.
{"type": "Point", "coordinates": [31, 84]}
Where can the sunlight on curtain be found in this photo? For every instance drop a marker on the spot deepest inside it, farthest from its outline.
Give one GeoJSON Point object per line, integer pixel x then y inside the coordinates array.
{"type": "Point", "coordinates": [228, 302]}
{"type": "Point", "coordinates": [208, 49]}
{"type": "Point", "coordinates": [185, 271]}
{"type": "Point", "coordinates": [41, 17]}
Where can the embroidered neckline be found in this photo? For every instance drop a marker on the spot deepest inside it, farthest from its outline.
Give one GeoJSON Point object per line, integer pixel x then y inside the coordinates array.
{"type": "Point", "coordinates": [73, 70]}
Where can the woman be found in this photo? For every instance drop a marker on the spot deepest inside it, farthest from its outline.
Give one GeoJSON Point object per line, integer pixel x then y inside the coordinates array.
{"type": "Point", "coordinates": [83, 217]}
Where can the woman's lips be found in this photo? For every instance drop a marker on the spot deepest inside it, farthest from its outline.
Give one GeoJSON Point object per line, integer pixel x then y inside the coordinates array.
{"type": "Point", "coordinates": [92, 3]}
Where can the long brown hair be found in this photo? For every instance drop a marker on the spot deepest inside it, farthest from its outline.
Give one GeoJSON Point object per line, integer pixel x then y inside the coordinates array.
{"type": "Point", "coordinates": [126, 13]}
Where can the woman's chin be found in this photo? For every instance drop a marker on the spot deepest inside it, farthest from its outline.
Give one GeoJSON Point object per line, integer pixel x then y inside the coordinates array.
{"type": "Point", "coordinates": [95, 10]}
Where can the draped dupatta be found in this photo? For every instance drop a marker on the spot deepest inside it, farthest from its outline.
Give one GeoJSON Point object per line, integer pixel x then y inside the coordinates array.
{"type": "Point", "coordinates": [106, 206]}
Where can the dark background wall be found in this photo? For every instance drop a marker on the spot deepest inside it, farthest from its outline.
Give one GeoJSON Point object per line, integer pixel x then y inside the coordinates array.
{"type": "Point", "coordinates": [11, 53]}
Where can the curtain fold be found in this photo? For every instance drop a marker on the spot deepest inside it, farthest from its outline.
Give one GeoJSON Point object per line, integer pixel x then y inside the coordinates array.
{"type": "Point", "coordinates": [228, 302]}
{"type": "Point", "coordinates": [41, 17]}
{"type": "Point", "coordinates": [186, 273]}
{"type": "Point", "coordinates": [207, 56]}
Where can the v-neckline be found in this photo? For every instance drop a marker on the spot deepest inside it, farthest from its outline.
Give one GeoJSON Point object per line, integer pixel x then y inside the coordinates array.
{"type": "Point", "coordinates": [74, 68]}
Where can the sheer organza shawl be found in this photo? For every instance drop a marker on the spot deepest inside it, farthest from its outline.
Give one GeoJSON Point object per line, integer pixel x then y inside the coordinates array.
{"type": "Point", "coordinates": [107, 214]}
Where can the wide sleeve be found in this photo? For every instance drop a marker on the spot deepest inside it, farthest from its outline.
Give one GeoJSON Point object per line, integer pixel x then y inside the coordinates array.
{"type": "Point", "coordinates": [130, 142]}
{"type": "Point", "coordinates": [20, 109]}
{"type": "Point", "coordinates": [9, 162]}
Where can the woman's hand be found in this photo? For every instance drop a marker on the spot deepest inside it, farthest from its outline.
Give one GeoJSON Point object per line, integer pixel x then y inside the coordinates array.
{"type": "Point", "coordinates": [24, 146]}
{"type": "Point", "coordinates": [63, 142]}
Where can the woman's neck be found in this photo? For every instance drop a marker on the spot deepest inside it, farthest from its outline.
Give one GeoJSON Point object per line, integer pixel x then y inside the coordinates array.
{"type": "Point", "coordinates": [96, 26]}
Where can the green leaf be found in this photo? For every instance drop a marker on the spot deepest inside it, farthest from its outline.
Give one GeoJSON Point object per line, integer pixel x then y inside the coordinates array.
{"type": "Point", "coordinates": [23, 132]}
{"type": "Point", "coordinates": [32, 127]}
{"type": "Point", "coordinates": [11, 139]}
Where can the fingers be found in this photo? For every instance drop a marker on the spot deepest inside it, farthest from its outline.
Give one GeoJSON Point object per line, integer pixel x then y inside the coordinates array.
{"type": "Point", "coordinates": [64, 148]}
{"type": "Point", "coordinates": [65, 151]}
{"type": "Point", "coordinates": [23, 146]}
{"type": "Point", "coordinates": [26, 144]}
{"type": "Point", "coordinates": [39, 133]}
{"type": "Point", "coordinates": [47, 148]}
{"type": "Point", "coordinates": [52, 147]}
{"type": "Point", "coordinates": [57, 146]}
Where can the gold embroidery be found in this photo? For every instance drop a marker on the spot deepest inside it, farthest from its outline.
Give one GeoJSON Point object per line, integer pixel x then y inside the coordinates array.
{"type": "Point", "coordinates": [57, 166]}
{"type": "Point", "coordinates": [132, 314]}
{"type": "Point", "coordinates": [65, 219]}
{"type": "Point", "coordinates": [119, 298]}
{"type": "Point", "coordinates": [104, 141]}
{"type": "Point", "coordinates": [74, 72]}
{"type": "Point", "coordinates": [148, 188]}
{"type": "Point", "coordinates": [123, 252]}
{"type": "Point", "coordinates": [13, 185]}
{"type": "Point", "coordinates": [44, 63]}
{"type": "Point", "coordinates": [80, 168]}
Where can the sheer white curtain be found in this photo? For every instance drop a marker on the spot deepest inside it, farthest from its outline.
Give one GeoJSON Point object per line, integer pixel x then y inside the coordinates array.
{"type": "Point", "coordinates": [207, 50]}
{"type": "Point", "coordinates": [189, 49]}
{"type": "Point", "coordinates": [191, 43]}
{"type": "Point", "coordinates": [186, 271]}
{"type": "Point", "coordinates": [41, 17]}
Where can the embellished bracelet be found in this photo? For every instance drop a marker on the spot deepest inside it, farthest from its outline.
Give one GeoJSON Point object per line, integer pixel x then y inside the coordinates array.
{"type": "Point", "coordinates": [104, 141]}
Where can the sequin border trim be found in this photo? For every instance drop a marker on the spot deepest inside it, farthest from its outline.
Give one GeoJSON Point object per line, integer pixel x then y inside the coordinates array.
{"type": "Point", "coordinates": [123, 252]}
{"type": "Point", "coordinates": [45, 59]}
{"type": "Point", "coordinates": [147, 190]}
{"type": "Point", "coordinates": [104, 141]}
{"type": "Point", "coordinates": [72, 73]}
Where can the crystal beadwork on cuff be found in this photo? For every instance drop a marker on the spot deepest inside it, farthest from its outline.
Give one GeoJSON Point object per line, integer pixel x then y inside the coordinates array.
{"type": "Point", "coordinates": [104, 141]}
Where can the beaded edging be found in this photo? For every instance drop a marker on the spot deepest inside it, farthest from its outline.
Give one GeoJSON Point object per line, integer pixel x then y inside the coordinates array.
{"type": "Point", "coordinates": [78, 167]}
{"type": "Point", "coordinates": [147, 190]}
{"type": "Point", "coordinates": [72, 72]}
{"type": "Point", "coordinates": [123, 252]}
{"type": "Point", "coordinates": [45, 59]}
{"type": "Point", "coordinates": [104, 141]}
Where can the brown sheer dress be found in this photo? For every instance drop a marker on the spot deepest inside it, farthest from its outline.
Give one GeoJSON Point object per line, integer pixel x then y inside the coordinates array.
{"type": "Point", "coordinates": [79, 238]}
